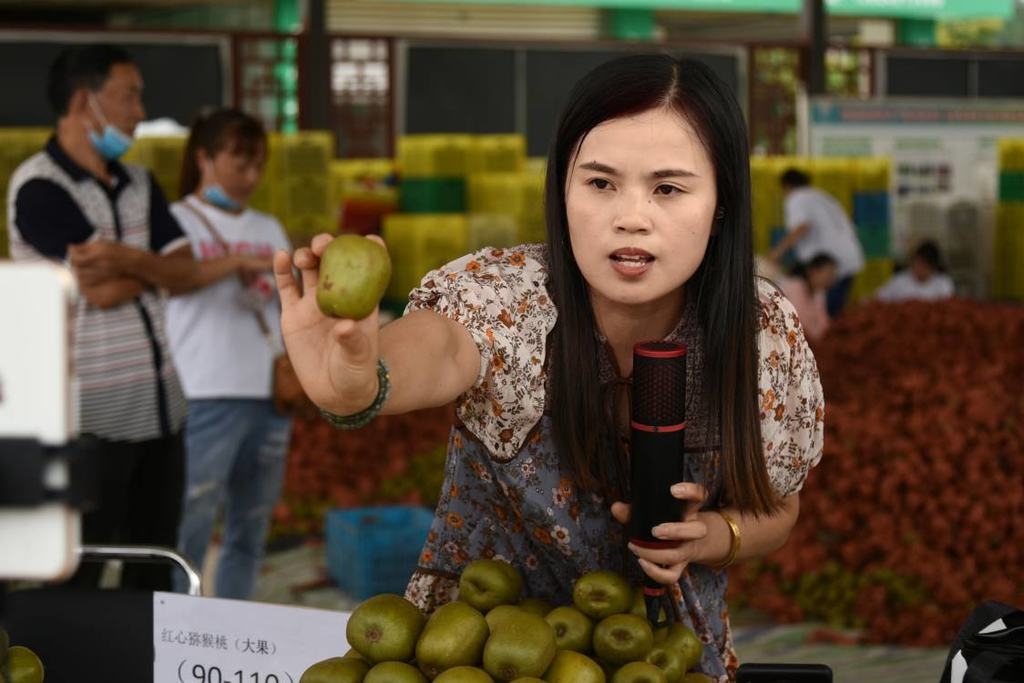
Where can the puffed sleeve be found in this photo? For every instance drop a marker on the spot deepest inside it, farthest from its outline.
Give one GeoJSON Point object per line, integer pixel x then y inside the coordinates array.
{"type": "Point", "coordinates": [500, 296]}
{"type": "Point", "coordinates": [792, 407]}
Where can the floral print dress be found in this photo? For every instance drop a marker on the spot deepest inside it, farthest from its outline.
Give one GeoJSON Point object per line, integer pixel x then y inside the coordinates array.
{"type": "Point", "coordinates": [507, 495]}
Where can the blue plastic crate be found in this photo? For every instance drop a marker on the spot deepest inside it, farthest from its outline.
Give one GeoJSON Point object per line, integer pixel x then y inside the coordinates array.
{"type": "Point", "coordinates": [376, 549]}
{"type": "Point", "coordinates": [871, 208]}
{"type": "Point", "coordinates": [874, 239]}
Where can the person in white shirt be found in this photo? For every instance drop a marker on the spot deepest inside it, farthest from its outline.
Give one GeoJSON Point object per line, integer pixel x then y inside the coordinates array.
{"type": "Point", "coordinates": [224, 338]}
{"type": "Point", "coordinates": [816, 223]}
{"type": "Point", "coordinates": [923, 279]}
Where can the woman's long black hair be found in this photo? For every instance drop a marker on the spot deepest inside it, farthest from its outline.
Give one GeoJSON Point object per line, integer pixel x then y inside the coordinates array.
{"type": "Point", "coordinates": [724, 284]}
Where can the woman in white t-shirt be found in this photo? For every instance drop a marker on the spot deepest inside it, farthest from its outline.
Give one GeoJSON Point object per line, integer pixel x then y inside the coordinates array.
{"type": "Point", "coordinates": [923, 279]}
{"type": "Point", "coordinates": [224, 338]}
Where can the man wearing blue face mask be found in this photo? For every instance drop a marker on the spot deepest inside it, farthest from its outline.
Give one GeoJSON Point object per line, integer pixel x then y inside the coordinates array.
{"type": "Point", "coordinates": [73, 202]}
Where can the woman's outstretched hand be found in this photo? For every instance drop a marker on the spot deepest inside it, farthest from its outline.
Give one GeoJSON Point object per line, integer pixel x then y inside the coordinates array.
{"type": "Point", "coordinates": [335, 359]}
{"type": "Point", "coordinates": [667, 565]}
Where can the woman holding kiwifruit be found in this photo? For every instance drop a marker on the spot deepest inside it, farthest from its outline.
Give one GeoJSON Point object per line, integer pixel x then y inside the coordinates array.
{"type": "Point", "coordinates": [649, 238]}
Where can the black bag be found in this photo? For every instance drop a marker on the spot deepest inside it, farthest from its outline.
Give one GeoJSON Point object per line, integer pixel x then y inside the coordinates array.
{"type": "Point", "coordinates": [783, 673]}
{"type": "Point", "coordinates": [989, 647]}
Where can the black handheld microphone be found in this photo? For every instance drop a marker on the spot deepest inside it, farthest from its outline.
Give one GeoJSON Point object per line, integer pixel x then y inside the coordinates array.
{"type": "Point", "coordinates": [658, 417]}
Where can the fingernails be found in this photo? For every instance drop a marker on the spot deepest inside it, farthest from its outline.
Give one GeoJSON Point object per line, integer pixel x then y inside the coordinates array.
{"type": "Point", "coordinates": [632, 548]}
{"type": "Point", "coordinates": [658, 531]}
{"type": "Point", "coordinates": [678, 489]}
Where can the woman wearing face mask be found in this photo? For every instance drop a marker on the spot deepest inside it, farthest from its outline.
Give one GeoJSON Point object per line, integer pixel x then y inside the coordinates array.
{"type": "Point", "coordinates": [224, 338]}
{"type": "Point", "coordinates": [649, 238]}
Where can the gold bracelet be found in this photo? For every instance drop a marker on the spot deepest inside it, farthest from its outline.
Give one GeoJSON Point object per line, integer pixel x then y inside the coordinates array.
{"type": "Point", "coordinates": [734, 543]}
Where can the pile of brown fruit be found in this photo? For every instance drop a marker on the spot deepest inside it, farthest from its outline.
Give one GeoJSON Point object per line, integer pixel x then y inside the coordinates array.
{"type": "Point", "coordinates": [493, 634]}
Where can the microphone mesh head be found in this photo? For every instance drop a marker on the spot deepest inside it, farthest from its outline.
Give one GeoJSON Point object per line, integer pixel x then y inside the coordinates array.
{"type": "Point", "coordinates": [659, 384]}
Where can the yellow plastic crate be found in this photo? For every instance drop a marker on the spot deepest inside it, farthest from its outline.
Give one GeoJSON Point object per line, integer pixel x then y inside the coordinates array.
{"type": "Point", "coordinates": [362, 172]}
{"type": "Point", "coordinates": [261, 198]}
{"type": "Point", "coordinates": [837, 177]}
{"type": "Point", "coordinates": [16, 145]}
{"type": "Point", "coordinates": [872, 175]}
{"type": "Point", "coordinates": [1008, 251]}
{"type": "Point", "coordinates": [763, 172]}
{"type": "Point", "coordinates": [302, 154]}
{"type": "Point", "coordinates": [25, 136]}
{"type": "Point", "coordinates": [170, 185]}
{"type": "Point", "coordinates": [532, 230]}
{"type": "Point", "coordinates": [497, 153]}
{"type": "Point", "coordinates": [23, 142]}
{"type": "Point", "coordinates": [1011, 154]}
{"type": "Point", "coordinates": [519, 194]}
{"type": "Point", "coordinates": [162, 155]}
{"type": "Point", "coordinates": [301, 195]}
{"type": "Point", "coordinates": [536, 166]}
{"type": "Point", "coordinates": [301, 227]}
{"type": "Point", "coordinates": [775, 166]}
{"type": "Point", "coordinates": [418, 243]}
{"type": "Point", "coordinates": [362, 178]}
{"type": "Point", "coordinates": [434, 156]}
{"type": "Point", "coordinates": [491, 230]}
{"type": "Point", "coordinates": [1015, 256]}
{"type": "Point", "coordinates": [766, 198]}
{"type": "Point", "coordinates": [876, 273]}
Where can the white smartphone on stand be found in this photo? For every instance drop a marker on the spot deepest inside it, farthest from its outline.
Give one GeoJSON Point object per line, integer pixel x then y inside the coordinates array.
{"type": "Point", "coordinates": [38, 414]}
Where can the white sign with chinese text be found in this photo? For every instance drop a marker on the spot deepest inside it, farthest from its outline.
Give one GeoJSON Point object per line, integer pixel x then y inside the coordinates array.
{"type": "Point", "coordinates": [212, 640]}
{"type": "Point", "coordinates": [944, 180]}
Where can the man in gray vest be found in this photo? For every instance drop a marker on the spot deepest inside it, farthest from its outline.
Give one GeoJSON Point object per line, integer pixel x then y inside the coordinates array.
{"type": "Point", "coordinates": [73, 202]}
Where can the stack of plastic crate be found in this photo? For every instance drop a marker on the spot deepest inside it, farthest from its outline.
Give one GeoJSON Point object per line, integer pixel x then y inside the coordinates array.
{"type": "Point", "coordinates": [766, 199]}
{"type": "Point", "coordinates": [873, 218]}
{"type": "Point", "coordinates": [162, 155]}
{"type": "Point", "coordinates": [1008, 241]}
{"type": "Point", "coordinates": [507, 207]}
{"type": "Point", "coordinates": [442, 176]}
{"type": "Point", "coordinates": [363, 191]}
{"type": "Point", "coordinates": [871, 210]}
{"type": "Point", "coordinates": [296, 185]}
{"type": "Point", "coordinates": [418, 243]}
{"type": "Point", "coordinates": [860, 185]}
{"type": "Point", "coordinates": [505, 193]}
{"type": "Point", "coordinates": [433, 171]}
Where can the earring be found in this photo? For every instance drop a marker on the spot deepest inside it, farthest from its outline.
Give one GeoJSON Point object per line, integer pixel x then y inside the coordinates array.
{"type": "Point", "coordinates": [720, 213]}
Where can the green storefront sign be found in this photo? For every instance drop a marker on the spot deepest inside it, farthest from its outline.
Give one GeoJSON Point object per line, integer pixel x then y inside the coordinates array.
{"type": "Point", "coordinates": [920, 9]}
{"type": "Point", "coordinates": [924, 9]}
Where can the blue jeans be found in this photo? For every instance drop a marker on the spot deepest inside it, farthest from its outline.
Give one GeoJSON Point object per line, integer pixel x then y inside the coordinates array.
{"type": "Point", "coordinates": [235, 457]}
{"type": "Point", "coordinates": [836, 296]}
